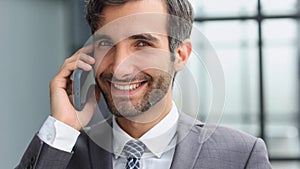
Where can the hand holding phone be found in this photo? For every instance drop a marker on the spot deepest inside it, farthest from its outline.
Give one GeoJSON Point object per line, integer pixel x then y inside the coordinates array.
{"type": "Point", "coordinates": [62, 94]}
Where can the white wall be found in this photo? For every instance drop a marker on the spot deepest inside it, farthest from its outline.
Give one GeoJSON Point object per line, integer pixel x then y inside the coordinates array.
{"type": "Point", "coordinates": [33, 38]}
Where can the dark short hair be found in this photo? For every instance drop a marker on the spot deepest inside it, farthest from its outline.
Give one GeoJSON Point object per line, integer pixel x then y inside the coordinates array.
{"type": "Point", "coordinates": [179, 8]}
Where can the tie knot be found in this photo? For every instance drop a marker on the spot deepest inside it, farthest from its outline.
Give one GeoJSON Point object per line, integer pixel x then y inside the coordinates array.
{"type": "Point", "coordinates": [134, 149]}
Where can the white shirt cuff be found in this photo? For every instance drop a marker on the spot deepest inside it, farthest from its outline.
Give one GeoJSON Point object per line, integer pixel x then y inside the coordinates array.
{"type": "Point", "coordinates": [58, 134]}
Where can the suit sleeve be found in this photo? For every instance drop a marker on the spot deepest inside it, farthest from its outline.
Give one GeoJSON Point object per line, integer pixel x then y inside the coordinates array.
{"type": "Point", "coordinates": [39, 155]}
{"type": "Point", "coordinates": [258, 158]}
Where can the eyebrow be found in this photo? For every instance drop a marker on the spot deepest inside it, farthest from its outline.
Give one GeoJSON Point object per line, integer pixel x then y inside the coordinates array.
{"type": "Point", "coordinates": [143, 36]}
{"type": "Point", "coordinates": [100, 36]}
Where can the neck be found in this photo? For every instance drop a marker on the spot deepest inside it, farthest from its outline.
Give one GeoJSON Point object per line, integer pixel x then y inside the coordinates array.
{"type": "Point", "coordinates": [137, 126]}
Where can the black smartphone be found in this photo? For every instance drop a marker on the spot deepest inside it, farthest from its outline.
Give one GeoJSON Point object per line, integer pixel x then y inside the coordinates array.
{"type": "Point", "coordinates": [83, 80]}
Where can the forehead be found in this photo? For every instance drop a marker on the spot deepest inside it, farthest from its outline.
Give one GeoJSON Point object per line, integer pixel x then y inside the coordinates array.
{"type": "Point", "coordinates": [133, 7]}
{"type": "Point", "coordinates": [134, 17]}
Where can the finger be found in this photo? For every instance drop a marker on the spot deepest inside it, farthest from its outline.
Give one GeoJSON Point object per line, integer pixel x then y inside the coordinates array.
{"type": "Point", "coordinates": [86, 58]}
{"type": "Point", "coordinates": [67, 69]}
{"type": "Point", "coordinates": [87, 49]}
{"type": "Point", "coordinates": [89, 108]}
{"type": "Point", "coordinates": [73, 61]}
{"type": "Point", "coordinates": [83, 65]}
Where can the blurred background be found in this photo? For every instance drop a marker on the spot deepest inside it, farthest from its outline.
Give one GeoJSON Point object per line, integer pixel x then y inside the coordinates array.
{"type": "Point", "coordinates": [257, 42]}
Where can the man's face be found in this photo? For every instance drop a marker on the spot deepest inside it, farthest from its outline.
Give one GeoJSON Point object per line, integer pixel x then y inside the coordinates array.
{"type": "Point", "coordinates": [133, 67]}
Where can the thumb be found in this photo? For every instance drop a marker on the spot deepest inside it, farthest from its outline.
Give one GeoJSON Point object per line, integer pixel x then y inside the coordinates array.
{"type": "Point", "coordinates": [85, 115]}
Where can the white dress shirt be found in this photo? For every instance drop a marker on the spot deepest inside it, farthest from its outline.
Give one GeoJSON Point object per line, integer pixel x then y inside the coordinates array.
{"type": "Point", "coordinates": [160, 141]}
{"type": "Point", "coordinates": [58, 134]}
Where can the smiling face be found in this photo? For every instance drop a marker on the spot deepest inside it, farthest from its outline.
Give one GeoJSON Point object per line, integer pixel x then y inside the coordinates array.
{"type": "Point", "coordinates": [134, 68]}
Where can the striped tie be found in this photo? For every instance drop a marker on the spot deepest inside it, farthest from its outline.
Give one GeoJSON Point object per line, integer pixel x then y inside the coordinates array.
{"type": "Point", "coordinates": [134, 150]}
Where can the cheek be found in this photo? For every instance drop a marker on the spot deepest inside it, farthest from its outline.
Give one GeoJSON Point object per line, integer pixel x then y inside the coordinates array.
{"type": "Point", "coordinates": [102, 59]}
{"type": "Point", "coordinates": [158, 75]}
{"type": "Point", "coordinates": [156, 63]}
{"type": "Point", "coordinates": [101, 66]}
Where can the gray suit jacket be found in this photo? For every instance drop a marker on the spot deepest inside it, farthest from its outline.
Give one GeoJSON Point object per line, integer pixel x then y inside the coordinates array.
{"type": "Point", "coordinates": [199, 146]}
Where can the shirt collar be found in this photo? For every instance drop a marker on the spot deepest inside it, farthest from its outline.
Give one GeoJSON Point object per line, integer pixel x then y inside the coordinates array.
{"type": "Point", "coordinates": [156, 139]}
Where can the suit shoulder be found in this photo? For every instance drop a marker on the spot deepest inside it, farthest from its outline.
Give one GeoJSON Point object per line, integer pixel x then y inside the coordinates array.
{"type": "Point", "coordinates": [232, 148]}
{"type": "Point", "coordinates": [221, 137]}
{"type": "Point", "coordinates": [233, 134]}
{"type": "Point", "coordinates": [223, 146]}
{"type": "Point", "coordinates": [217, 133]}
{"type": "Point", "coordinates": [227, 137]}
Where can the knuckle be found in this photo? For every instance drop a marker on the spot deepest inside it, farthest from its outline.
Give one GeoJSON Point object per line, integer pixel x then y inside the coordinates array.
{"type": "Point", "coordinates": [68, 60]}
{"type": "Point", "coordinates": [81, 56]}
{"type": "Point", "coordinates": [68, 66]}
{"type": "Point", "coordinates": [52, 83]}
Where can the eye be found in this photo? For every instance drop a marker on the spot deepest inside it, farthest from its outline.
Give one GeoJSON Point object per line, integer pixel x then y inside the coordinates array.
{"type": "Point", "coordinates": [143, 44]}
{"type": "Point", "coordinates": [104, 43]}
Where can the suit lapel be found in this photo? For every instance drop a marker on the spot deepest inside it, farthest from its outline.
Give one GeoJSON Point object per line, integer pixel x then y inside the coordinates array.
{"type": "Point", "coordinates": [189, 144]}
{"type": "Point", "coordinates": [100, 146]}
{"type": "Point", "coordinates": [100, 158]}
{"type": "Point", "coordinates": [186, 152]}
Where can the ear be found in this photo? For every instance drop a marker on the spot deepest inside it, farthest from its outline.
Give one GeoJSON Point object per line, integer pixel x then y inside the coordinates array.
{"type": "Point", "coordinates": [182, 55]}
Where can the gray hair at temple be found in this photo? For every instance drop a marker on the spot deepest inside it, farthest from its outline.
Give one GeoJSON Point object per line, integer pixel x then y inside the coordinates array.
{"type": "Point", "coordinates": [179, 8]}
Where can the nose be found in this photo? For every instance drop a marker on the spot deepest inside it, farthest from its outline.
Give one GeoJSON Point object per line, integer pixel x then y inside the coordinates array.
{"type": "Point", "coordinates": [122, 64]}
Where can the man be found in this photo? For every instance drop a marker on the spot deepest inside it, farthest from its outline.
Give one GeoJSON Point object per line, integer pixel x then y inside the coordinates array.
{"type": "Point", "coordinates": [135, 62]}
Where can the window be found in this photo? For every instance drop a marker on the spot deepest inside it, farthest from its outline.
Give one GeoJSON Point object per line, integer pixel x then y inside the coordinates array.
{"type": "Point", "coordinates": [257, 42]}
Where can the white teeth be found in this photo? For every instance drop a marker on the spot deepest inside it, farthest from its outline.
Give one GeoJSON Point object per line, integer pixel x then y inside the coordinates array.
{"type": "Point", "coordinates": [126, 87]}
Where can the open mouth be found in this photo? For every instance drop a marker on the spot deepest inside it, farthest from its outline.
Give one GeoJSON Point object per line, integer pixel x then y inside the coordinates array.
{"type": "Point", "coordinates": [126, 88]}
